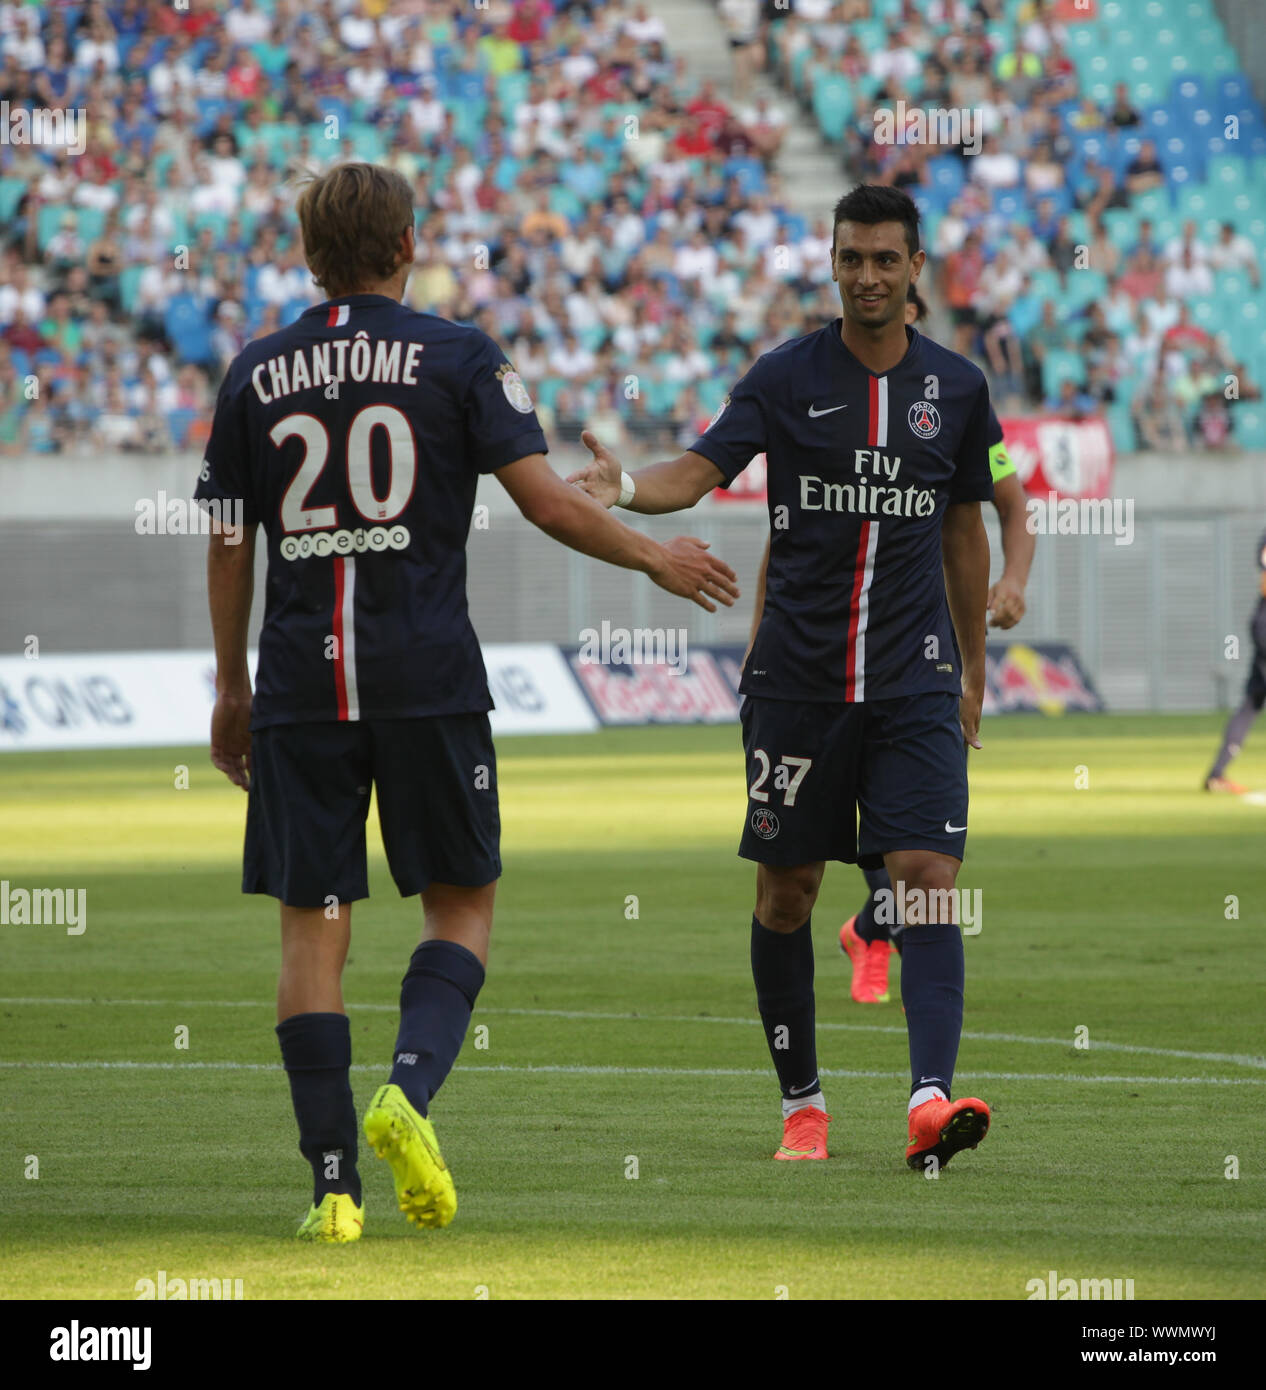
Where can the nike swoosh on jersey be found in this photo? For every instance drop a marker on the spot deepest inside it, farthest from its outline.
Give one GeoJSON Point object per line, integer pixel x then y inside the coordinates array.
{"type": "Point", "coordinates": [953, 829]}
{"type": "Point", "coordinates": [813, 414]}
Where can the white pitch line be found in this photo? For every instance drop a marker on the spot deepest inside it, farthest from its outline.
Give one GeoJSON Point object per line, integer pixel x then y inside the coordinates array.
{"type": "Point", "coordinates": [568, 1070]}
{"type": "Point", "coordinates": [1237, 1059]}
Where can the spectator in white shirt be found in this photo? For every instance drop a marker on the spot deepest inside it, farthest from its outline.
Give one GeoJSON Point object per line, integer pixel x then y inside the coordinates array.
{"type": "Point", "coordinates": [539, 108]}
{"type": "Point", "coordinates": [1188, 241]}
{"type": "Point", "coordinates": [898, 62]}
{"type": "Point", "coordinates": [99, 45]}
{"type": "Point", "coordinates": [742, 26]}
{"type": "Point", "coordinates": [224, 166]}
{"type": "Point", "coordinates": [1026, 252]}
{"type": "Point", "coordinates": [426, 110]}
{"type": "Point", "coordinates": [357, 31]}
{"type": "Point", "coordinates": [994, 168]}
{"type": "Point", "coordinates": [279, 283]}
{"type": "Point", "coordinates": [20, 295]}
{"type": "Point", "coordinates": [696, 260]}
{"type": "Point", "coordinates": [1188, 279]}
{"type": "Point", "coordinates": [758, 221]}
{"type": "Point", "coordinates": [570, 359]}
{"type": "Point", "coordinates": [27, 46]}
{"type": "Point", "coordinates": [97, 192]}
{"type": "Point", "coordinates": [815, 252]}
{"type": "Point", "coordinates": [246, 23]}
{"type": "Point", "coordinates": [172, 78]}
{"type": "Point", "coordinates": [368, 79]}
{"type": "Point", "coordinates": [208, 195]}
{"type": "Point", "coordinates": [1162, 312]}
{"type": "Point", "coordinates": [645, 27]}
{"type": "Point", "coordinates": [630, 230]}
{"type": "Point", "coordinates": [1234, 251]}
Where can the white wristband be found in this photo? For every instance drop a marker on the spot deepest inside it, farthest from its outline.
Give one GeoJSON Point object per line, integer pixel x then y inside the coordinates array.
{"type": "Point", "coordinates": [627, 488]}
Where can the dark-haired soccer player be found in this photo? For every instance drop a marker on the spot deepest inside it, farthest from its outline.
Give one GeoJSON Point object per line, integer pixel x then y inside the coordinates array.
{"type": "Point", "coordinates": [866, 679]}
{"type": "Point", "coordinates": [867, 939]}
{"type": "Point", "coordinates": [356, 436]}
{"type": "Point", "coordinates": [1241, 721]}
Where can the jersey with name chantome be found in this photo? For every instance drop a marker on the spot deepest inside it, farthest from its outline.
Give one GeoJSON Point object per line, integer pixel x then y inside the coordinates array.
{"type": "Point", "coordinates": [860, 469]}
{"type": "Point", "coordinates": [356, 437]}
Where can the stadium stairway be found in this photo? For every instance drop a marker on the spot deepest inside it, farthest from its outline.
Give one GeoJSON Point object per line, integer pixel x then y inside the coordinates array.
{"type": "Point", "coordinates": [811, 174]}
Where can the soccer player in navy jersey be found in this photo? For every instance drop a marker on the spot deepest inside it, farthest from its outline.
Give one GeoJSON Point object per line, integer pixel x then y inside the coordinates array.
{"type": "Point", "coordinates": [869, 937]}
{"type": "Point", "coordinates": [865, 683]}
{"type": "Point", "coordinates": [1241, 720]}
{"type": "Point", "coordinates": [356, 437]}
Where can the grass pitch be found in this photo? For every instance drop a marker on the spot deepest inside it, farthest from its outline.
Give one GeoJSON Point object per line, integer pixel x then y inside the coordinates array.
{"type": "Point", "coordinates": [611, 1120]}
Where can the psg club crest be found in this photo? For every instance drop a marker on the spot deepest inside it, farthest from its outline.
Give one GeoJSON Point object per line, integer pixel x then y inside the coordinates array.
{"type": "Point", "coordinates": [764, 823]}
{"type": "Point", "coordinates": [515, 391]}
{"type": "Point", "coordinates": [924, 420]}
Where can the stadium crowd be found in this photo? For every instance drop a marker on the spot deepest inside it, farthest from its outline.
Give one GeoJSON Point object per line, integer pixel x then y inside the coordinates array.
{"type": "Point", "coordinates": [616, 225]}
{"type": "Point", "coordinates": [1041, 221]}
{"type": "Point", "coordinates": [617, 228]}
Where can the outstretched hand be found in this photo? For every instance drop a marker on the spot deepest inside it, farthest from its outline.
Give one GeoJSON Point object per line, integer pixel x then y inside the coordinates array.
{"type": "Point", "coordinates": [690, 572]}
{"type": "Point", "coordinates": [600, 478]}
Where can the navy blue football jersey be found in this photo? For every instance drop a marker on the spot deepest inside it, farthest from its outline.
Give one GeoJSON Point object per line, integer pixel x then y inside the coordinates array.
{"type": "Point", "coordinates": [860, 469]}
{"type": "Point", "coordinates": [355, 437]}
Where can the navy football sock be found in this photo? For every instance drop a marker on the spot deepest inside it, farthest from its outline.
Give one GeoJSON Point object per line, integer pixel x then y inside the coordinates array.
{"type": "Point", "coordinates": [436, 999]}
{"type": "Point", "coordinates": [316, 1050]}
{"type": "Point", "coordinates": [1233, 740]}
{"type": "Point", "coordinates": [782, 967]}
{"type": "Point", "coordinates": [866, 926]}
{"type": "Point", "coordinates": [932, 991]}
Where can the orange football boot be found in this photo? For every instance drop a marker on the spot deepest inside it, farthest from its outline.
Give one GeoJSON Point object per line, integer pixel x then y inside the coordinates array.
{"type": "Point", "coordinates": [942, 1127]}
{"type": "Point", "coordinates": [870, 965]}
{"type": "Point", "coordinates": [804, 1134]}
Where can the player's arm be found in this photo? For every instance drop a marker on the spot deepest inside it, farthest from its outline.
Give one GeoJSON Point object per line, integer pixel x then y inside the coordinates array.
{"type": "Point", "coordinates": [1006, 597]}
{"type": "Point", "coordinates": [671, 486]}
{"type": "Point", "coordinates": [758, 608]}
{"type": "Point", "coordinates": [230, 588]}
{"type": "Point", "coordinates": [735, 435]}
{"type": "Point", "coordinates": [965, 555]}
{"type": "Point", "coordinates": [572, 516]}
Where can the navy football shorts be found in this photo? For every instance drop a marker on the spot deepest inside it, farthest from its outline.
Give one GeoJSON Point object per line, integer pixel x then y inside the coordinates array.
{"type": "Point", "coordinates": [436, 780]}
{"type": "Point", "coordinates": [853, 781]}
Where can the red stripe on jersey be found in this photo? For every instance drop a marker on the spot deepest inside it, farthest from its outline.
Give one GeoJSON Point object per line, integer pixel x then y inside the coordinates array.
{"type": "Point", "coordinates": [855, 606]}
{"type": "Point", "coordinates": [872, 421]}
{"type": "Point", "coordinates": [332, 318]}
{"type": "Point", "coordinates": [340, 669]}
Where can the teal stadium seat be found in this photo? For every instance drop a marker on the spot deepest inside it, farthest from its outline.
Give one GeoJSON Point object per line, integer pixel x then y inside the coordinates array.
{"type": "Point", "coordinates": [129, 284]}
{"type": "Point", "coordinates": [1123, 226]}
{"type": "Point", "coordinates": [1060, 366]}
{"type": "Point", "coordinates": [11, 191]}
{"type": "Point", "coordinates": [1227, 173]}
{"type": "Point", "coordinates": [1121, 424]}
{"type": "Point", "coordinates": [48, 221]}
{"type": "Point", "coordinates": [1249, 424]}
{"type": "Point", "coordinates": [833, 103]}
{"type": "Point", "coordinates": [91, 223]}
{"type": "Point", "coordinates": [1084, 287]}
{"type": "Point", "coordinates": [512, 91]}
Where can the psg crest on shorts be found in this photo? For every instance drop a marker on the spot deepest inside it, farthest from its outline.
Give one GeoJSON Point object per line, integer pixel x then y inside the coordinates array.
{"type": "Point", "coordinates": [924, 419]}
{"type": "Point", "coordinates": [764, 823]}
{"type": "Point", "coordinates": [512, 385]}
